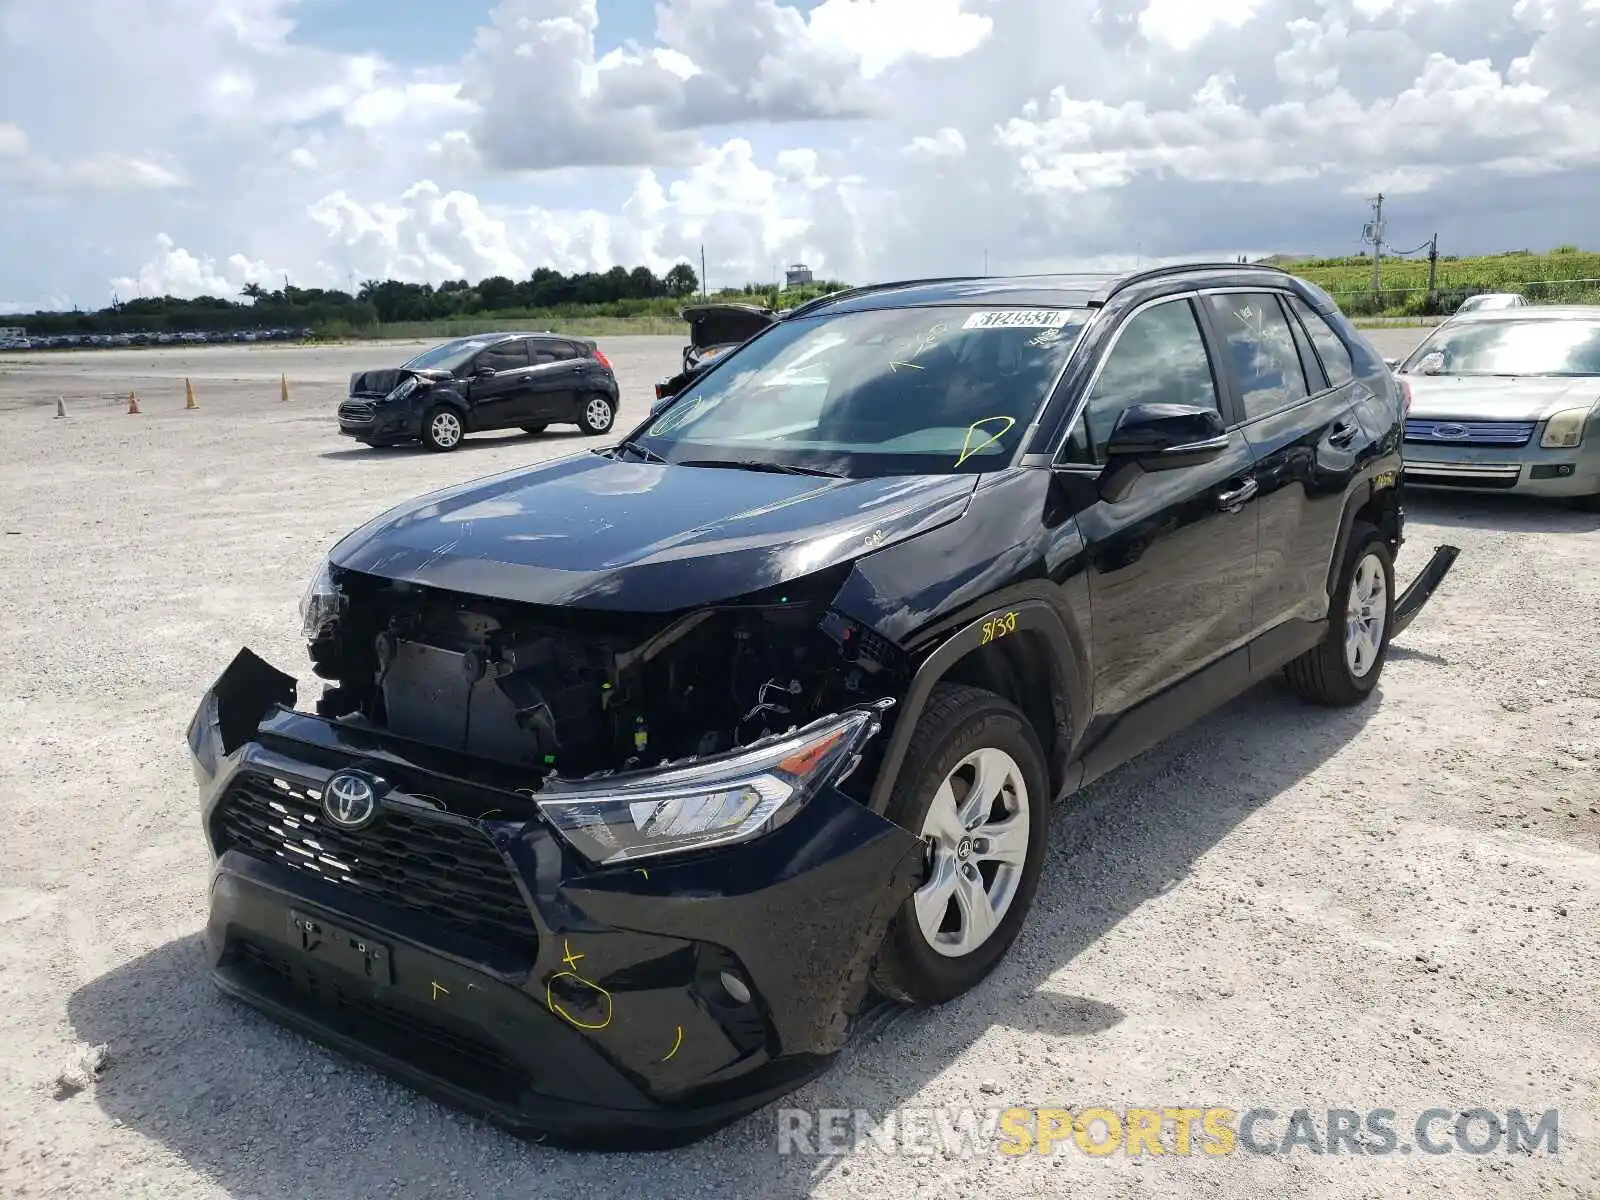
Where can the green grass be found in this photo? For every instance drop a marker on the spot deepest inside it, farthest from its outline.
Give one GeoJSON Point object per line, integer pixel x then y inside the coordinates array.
{"type": "Point", "coordinates": [1564, 276]}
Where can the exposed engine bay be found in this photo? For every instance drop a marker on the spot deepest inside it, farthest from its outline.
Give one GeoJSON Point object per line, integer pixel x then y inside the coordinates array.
{"type": "Point", "coordinates": [582, 693]}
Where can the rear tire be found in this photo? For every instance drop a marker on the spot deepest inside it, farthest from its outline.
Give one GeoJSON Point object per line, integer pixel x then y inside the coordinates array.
{"type": "Point", "coordinates": [1343, 669]}
{"type": "Point", "coordinates": [598, 413]}
{"type": "Point", "coordinates": [536, 429]}
{"type": "Point", "coordinates": [976, 789]}
{"type": "Point", "coordinates": [443, 428]}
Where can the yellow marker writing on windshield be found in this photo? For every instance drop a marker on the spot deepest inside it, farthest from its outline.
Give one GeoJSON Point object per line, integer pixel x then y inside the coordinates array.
{"type": "Point", "coordinates": [979, 430]}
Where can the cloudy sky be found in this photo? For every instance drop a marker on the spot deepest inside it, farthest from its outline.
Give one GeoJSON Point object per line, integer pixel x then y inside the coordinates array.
{"type": "Point", "coordinates": [191, 146]}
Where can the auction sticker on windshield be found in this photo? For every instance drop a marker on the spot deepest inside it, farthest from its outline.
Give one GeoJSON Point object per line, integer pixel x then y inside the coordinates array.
{"type": "Point", "coordinates": [1019, 318]}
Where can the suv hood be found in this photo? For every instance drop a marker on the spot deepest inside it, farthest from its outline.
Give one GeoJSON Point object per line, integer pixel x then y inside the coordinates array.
{"type": "Point", "coordinates": [589, 531]}
{"type": "Point", "coordinates": [1461, 398]}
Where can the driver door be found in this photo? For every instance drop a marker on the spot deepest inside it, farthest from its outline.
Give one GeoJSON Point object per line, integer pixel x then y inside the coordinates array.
{"type": "Point", "coordinates": [1172, 560]}
{"type": "Point", "coordinates": [500, 390]}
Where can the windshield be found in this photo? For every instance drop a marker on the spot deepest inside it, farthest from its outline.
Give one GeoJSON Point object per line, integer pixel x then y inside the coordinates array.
{"type": "Point", "coordinates": [1513, 347]}
{"type": "Point", "coordinates": [890, 392]}
{"type": "Point", "coordinates": [451, 356]}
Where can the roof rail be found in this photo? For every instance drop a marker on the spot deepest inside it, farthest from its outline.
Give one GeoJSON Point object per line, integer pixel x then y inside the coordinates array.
{"type": "Point", "coordinates": [868, 289]}
{"type": "Point", "coordinates": [1133, 277]}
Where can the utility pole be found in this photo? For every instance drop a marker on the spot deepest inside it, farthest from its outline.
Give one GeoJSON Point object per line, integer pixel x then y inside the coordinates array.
{"type": "Point", "coordinates": [702, 270]}
{"type": "Point", "coordinates": [1433, 268]}
{"type": "Point", "coordinates": [1372, 234]}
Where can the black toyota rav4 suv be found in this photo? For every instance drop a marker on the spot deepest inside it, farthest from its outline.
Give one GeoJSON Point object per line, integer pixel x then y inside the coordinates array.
{"type": "Point", "coordinates": [641, 771]}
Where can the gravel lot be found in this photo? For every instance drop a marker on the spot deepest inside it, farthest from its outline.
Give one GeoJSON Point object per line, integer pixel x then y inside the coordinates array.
{"type": "Point", "coordinates": [1392, 908]}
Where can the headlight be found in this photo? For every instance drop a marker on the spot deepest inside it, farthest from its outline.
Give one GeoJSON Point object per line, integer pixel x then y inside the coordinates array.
{"type": "Point", "coordinates": [1564, 430]}
{"type": "Point", "coordinates": [405, 387]}
{"type": "Point", "coordinates": [321, 606]}
{"type": "Point", "coordinates": [730, 799]}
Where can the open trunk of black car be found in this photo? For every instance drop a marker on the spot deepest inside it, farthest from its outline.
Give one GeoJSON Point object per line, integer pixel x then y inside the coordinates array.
{"type": "Point", "coordinates": [725, 324]}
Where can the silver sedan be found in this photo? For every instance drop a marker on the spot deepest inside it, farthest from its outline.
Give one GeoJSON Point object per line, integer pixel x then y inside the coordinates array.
{"type": "Point", "coordinates": [1507, 400]}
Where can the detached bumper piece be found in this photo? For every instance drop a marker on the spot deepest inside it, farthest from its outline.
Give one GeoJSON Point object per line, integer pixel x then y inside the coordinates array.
{"type": "Point", "coordinates": [456, 943]}
{"type": "Point", "coordinates": [1413, 599]}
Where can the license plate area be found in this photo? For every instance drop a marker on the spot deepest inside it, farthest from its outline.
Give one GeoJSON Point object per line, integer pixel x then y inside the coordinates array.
{"type": "Point", "coordinates": [341, 949]}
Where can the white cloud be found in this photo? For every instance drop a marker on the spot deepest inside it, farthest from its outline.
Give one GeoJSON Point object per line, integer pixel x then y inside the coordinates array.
{"type": "Point", "coordinates": [748, 216]}
{"type": "Point", "coordinates": [176, 272]}
{"type": "Point", "coordinates": [865, 137]}
{"type": "Point", "coordinates": [947, 143]}
{"type": "Point", "coordinates": [1182, 23]}
{"type": "Point", "coordinates": [109, 171]}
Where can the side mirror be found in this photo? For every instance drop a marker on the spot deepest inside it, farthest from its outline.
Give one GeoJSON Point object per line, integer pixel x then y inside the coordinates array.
{"type": "Point", "coordinates": [483, 373]}
{"type": "Point", "coordinates": [1160, 437]}
{"type": "Point", "coordinates": [1392, 363]}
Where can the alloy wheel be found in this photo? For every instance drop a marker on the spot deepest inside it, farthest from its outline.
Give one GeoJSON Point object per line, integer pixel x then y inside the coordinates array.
{"type": "Point", "coordinates": [598, 414]}
{"type": "Point", "coordinates": [446, 429]}
{"type": "Point", "coordinates": [1366, 613]}
{"type": "Point", "coordinates": [976, 832]}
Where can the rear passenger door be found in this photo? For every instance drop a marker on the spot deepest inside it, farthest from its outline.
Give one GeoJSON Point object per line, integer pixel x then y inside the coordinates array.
{"type": "Point", "coordinates": [553, 376]}
{"type": "Point", "coordinates": [1297, 405]}
{"type": "Point", "coordinates": [1172, 560]}
{"type": "Point", "coordinates": [499, 388]}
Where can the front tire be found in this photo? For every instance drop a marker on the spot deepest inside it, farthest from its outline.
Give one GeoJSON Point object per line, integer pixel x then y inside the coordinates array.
{"type": "Point", "coordinates": [1343, 669]}
{"type": "Point", "coordinates": [442, 428]}
{"type": "Point", "coordinates": [976, 790]}
{"type": "Point", "coordinates": [536, 429]}
{"type": "Point", "coordinates": [598, 414]}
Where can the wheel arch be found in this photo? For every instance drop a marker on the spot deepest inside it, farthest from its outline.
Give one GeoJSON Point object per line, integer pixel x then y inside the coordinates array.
{"type": "Point", "coordinates": [453, 401]}
{"type": "Point", "coordinates": [1021, 651]}
{"type": "Point", "coordinates": [1377, 503]}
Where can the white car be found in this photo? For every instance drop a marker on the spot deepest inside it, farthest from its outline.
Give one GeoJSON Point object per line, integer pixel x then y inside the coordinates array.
{"type": "Point", "coordinates": [1492, 300]}
{"type": "Point", "coordinates": [1507, 400]}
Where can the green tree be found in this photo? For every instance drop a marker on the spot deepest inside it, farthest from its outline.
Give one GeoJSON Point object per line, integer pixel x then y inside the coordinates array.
{"type": "Point", "coordinates": [682, 281]}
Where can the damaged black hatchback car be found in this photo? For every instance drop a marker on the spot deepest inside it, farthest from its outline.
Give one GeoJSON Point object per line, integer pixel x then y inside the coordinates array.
{"type": "Point", "coordinates": [640, 771]}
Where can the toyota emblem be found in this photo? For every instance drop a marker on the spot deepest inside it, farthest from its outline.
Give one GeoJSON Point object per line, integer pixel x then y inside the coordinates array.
{"type": "Point", "coordinates": [1450, 432]}
{"type": "Point", "coordinates": [349, 800]}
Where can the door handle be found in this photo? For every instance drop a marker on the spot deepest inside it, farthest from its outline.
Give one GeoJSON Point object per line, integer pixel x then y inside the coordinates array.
{"type": "Point", "coordinates": [1233, 499]}
{"type": "Point", "coordinates": [1343, 434]}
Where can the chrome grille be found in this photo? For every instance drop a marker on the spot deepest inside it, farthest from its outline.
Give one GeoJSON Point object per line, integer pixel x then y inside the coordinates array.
{"type": "Point", "coordinates": [1468, 433]}
{"type": "Point", "coordinates": [356, 412]}
{"type": "Point", "coordinates": [446, 870]}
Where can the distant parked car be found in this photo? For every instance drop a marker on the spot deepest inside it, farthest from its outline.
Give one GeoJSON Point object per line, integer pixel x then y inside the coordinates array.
{"type": "Point", "coordinates": [714, 329]}
{"type": "Point", "coordinates": [492, 381]}
{"type": "Point", "coordinates": [1507, 400]}
{"type": "Point", "coordinates": [1492, 300]}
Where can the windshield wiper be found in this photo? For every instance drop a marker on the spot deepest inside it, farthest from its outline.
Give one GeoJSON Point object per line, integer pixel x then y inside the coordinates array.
{"type": "Point", "coordinates": [647, 455]}
{"type": "Point", "coordinates": [752, 464]}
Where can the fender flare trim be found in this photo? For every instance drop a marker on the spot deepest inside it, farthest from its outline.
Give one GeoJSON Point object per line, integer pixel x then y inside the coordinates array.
{"type": "Point", "coordinates": [1036, 616]}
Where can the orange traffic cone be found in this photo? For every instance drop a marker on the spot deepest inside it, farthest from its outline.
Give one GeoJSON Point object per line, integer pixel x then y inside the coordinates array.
{"type": "Point", "coordinates": [188, 395]}
{"type": "Point", "coordinates": [133, 403]}
{"type": "Point", "coordinates": [285, 390]}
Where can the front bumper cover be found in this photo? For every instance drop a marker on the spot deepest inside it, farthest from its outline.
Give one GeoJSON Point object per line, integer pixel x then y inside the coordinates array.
{"type": "Point", "coordinates": [643, 1005]}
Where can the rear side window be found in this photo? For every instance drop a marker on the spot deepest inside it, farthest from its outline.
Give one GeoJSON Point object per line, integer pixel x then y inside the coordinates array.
{"type": "Point", "coordinates": [553, 351]}
{"type": "Point", "coordinates": [1159, 358]}
{"type": "Point", "coordinates": [1335, 355]}
{"type": "Point", "coordinates": [1261, 351]}
{"type": "Point", "coordinates": [507, 356]}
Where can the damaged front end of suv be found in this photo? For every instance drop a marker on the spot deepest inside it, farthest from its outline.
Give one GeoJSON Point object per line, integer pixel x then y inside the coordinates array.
{"type": "Point", "coordinates": [585, 852]}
